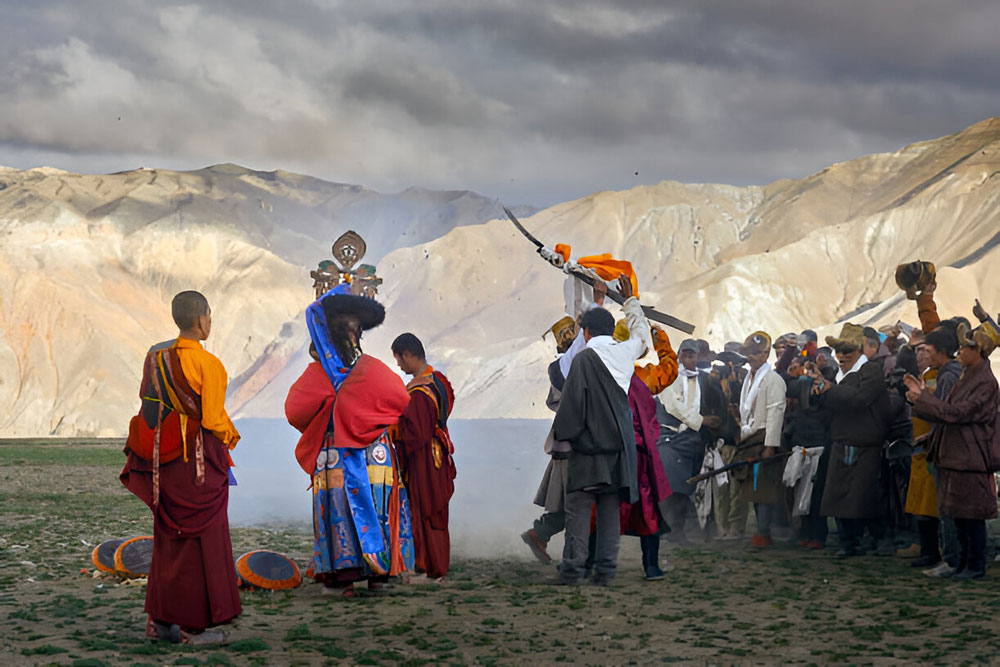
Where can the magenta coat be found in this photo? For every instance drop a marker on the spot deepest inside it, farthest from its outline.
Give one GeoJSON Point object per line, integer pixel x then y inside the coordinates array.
{"type": "Point", "coordinates": [643, 517]}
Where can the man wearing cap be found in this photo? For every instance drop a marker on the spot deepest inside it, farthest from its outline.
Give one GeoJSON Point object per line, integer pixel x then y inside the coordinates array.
{"type": "Point", "coordinates": [762, 412]}
{"type": "Point", "coordinates": [344, 404]}
{"type": "Point", "coordinates": [551, 494]}
{"type": "Point", "coordinates": [859, 405]}
{"type": "Point", "coordinates": [594, 417]}
{"type": "Point", "coordinates": [937, 532]}
{"type": "Point", "coordinates": [686, 429]}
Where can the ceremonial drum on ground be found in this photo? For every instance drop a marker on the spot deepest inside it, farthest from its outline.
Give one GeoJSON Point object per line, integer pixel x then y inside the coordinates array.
{"type": "Point", "coordinates": [104, 554]}
{"type": "Point", "coordinates": [133, 556]}
{"type": "Point", "coordinates": [267, 569]}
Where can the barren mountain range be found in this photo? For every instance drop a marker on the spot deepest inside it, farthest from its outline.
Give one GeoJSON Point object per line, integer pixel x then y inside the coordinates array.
{"type": "Point", "coordinates": [88, 265]}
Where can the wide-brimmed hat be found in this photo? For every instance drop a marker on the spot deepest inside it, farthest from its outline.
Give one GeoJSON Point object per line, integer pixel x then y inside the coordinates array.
{"type": "Point", "coordinates": [851, 336]}
{"type": "Point", "coordinates": [985, 337]}
{"type": "Point", "coordinates": [755, 343]}
{"type": "Point", "coordinates": [914, 277]}
{"type": "Point", "coordinates": [730, 357]}
{"type": "Point", "coordinates": [369, 311]}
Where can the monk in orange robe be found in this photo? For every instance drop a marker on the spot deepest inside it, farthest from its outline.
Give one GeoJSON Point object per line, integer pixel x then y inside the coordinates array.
{"type": "Point", "coordinates": [178, 464]}
{"type": "Point", "coordinates": [426, 455]}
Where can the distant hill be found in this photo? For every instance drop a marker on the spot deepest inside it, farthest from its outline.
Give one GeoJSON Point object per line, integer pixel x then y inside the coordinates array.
{"type": "Point", "coordinates": [812, 252]}
{"type": "Point", "coordinates": [88, 264]}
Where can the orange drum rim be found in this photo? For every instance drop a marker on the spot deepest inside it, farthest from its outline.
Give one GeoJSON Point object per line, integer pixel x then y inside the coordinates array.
{"type": "Point", "coordinates": [97, 562]}
{"type": "Point", "coordinates": [257, 581]}
{"type": "Point", "coordinates": [119, 565]}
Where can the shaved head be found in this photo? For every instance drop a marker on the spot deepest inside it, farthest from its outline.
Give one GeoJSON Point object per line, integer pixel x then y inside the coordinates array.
{"type": "Point", "coordinates": [187, 307]}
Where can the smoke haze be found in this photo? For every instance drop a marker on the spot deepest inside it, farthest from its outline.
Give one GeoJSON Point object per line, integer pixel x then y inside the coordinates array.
{"type": "Point", "coordinates": [500, 463]}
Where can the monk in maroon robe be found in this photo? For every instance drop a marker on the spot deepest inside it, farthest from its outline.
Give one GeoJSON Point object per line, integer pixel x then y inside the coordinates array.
{"type": "Point", "coordinates": [426, 455]}
{"type": "Point", "coordinates": [178, 464]}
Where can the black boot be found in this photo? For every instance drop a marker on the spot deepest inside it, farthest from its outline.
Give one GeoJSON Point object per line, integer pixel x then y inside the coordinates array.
{"type": "Point", "coordinates": [650, 545]}
{"type": "Point", "coordinates": [930, 554]}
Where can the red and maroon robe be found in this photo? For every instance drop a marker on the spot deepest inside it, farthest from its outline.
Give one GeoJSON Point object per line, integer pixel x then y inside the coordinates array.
{"type": "Point", "coordinates": [192, 580]}
{"type": "Point", "coordinates": [429, 470]}
{"type": "Point", "coordinates": [643, 517]}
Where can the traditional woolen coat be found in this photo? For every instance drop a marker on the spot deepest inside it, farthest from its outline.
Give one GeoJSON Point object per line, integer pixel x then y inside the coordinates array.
{"type": "Point", "coordinates": [551, 492]}
{"type": "Point", "coordinates": [645, 517]}
{"type": "Point", "coordinates": [860, 407]}
{"type": "Point", "coordinates": [762, 430]}
{"type": "Point", "coordinates": [594, 417]}
{"type": "Point", "coordinates": [964, 423]}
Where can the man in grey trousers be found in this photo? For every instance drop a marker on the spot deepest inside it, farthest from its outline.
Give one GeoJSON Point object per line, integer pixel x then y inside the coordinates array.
{"type": "Point", "coordinates": [595, 419]}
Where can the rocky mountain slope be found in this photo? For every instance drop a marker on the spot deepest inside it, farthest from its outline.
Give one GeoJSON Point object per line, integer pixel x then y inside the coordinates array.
{"type": "Point", "coordinates": [88, 264]}
{"type": "Point", "coordinates": [814, 252]}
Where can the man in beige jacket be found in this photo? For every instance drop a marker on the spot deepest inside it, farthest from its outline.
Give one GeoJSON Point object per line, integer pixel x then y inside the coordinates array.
{"type": "Point", "coordinates": [762, 413]}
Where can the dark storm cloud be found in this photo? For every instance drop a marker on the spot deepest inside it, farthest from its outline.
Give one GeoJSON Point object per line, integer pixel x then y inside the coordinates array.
{"type": "Point", "coordinates": [531, 101]}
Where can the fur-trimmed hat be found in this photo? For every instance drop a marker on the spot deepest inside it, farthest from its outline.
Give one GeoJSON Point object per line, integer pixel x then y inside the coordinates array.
{"type": "Point", "coordinates": [851, 336]}
{"type": "Point", "coordinates": [369, 311]}
{"type": "Point", "coordinates": [621, 333]}
{"type": "Point", "coordinates": [756, 343]}
{"type": "Point", "coordinates": [785, 339]}
{"type": "Point", "coordinates": [560, 328]}
{"type": "Point", "coordinates": [985, 337]}
{"type": "Point", "coordinates": [914, 277]}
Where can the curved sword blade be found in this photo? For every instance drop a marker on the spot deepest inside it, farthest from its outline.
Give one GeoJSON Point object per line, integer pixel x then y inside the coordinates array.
{"type": "Point", "coordinates": [652, 314]}
{"type": "Point", "coordinates": [520, 228]}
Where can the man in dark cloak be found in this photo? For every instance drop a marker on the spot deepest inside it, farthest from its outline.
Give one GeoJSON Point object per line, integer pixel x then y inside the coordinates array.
{"type": "Point", "coordinates": [594, 417]}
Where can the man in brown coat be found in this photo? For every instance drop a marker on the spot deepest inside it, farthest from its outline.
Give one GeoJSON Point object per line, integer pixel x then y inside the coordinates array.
{"type": "Point", "coordinates": [959, 446]}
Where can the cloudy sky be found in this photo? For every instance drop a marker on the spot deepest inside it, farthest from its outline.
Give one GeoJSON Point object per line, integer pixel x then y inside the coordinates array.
{"type": "Point", "coordinates": [535, 102]}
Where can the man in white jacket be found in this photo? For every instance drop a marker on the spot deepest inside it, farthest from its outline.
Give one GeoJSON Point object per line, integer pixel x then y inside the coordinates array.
{"type": "Point", "coordinates": [762, 413]}
{"type": "Point", "coordinates": [683, 440]}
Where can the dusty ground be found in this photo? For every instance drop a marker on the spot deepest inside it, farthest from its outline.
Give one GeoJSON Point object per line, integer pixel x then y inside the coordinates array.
{"type": "Point", "coordinates": [721, 604]}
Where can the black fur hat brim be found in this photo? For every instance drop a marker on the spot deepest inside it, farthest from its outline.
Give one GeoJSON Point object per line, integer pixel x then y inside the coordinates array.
{"type": "Point", "coordinates": [369, 311]}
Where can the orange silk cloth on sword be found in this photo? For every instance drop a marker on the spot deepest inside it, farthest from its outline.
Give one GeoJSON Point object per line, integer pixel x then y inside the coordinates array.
{"type": "Point", "coordinates": [605, 266]}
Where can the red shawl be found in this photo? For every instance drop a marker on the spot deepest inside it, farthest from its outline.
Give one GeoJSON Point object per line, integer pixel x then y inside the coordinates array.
{"type": "Point", "coordinates": [370, 399]}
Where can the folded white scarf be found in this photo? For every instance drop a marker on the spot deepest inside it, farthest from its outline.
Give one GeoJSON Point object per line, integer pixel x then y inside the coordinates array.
{"type": "Point", "coordinates": [748, 395]}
